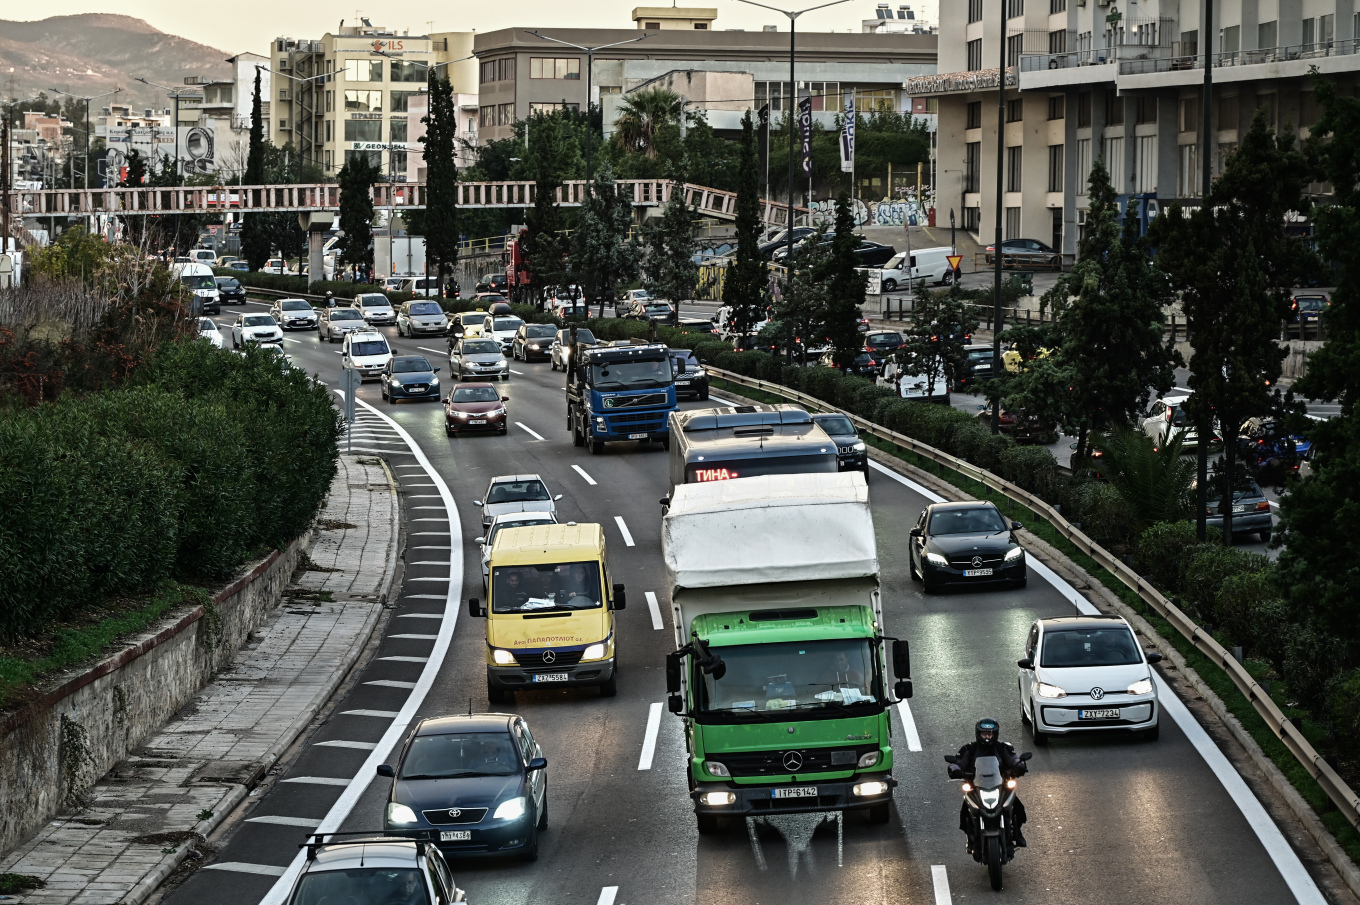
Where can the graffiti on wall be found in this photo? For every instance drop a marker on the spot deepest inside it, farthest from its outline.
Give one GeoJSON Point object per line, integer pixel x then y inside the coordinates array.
{"type": "Point", "coordinates": [909, 209]}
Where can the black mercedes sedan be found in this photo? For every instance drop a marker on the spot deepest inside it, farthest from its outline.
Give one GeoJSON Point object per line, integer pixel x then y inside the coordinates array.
{"type": "Point", "coordinates": [477, 784]}
{"type": "Point", "coordinates": [965, 543]}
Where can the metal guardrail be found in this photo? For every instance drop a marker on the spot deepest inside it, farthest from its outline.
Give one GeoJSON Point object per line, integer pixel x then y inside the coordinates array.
{"type": "Point", "coordinates": [1345, 799]}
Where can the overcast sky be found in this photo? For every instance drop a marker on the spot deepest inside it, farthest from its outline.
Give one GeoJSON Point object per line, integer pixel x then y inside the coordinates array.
{"type": "Point", "coordinates": [250, 24]}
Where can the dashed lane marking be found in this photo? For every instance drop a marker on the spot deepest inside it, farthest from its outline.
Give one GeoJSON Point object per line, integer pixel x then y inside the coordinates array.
{"type": "Point", "coordinates": [939, 878]}
{"type": "Point", "coordinates": [241, 867]}
{"type": "Point", "coordinates": [319, 780]}
{"type": "Point", "coordinates": [389, 683]}
{"type": "Point", "coordinates": [415, 637]}
{"type": "Point", "coordinates": [655, 608]}
{"type": "Point", "coordinates": [649, 738]}
{"type": "Point", "coordinates": [384, 714]}
{"type": "Point", "coordinates": [310, 823]}
{"type": "Point", "coordinates": [607, 895]}
{"type": "Point", "coordinates": [342, 743]}
{"type": "Point", "coordinates": [582, 472]}
{"type": "Point", "coordinates": [405, 659]}
{"type": "Point", "coordinates": [908, 725]}
{"type": "Point", "coordinates": [421, 616]}
{"type": "Point", "coordinates": [533, 433]}
{"type": "Point", "coordinates": [623, 529]}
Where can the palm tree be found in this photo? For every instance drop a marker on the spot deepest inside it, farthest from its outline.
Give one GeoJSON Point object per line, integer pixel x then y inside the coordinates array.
{"type": "Point", "coordinates": [642, 115]}
{"type": "Point", "coordinates": [1155, 483]}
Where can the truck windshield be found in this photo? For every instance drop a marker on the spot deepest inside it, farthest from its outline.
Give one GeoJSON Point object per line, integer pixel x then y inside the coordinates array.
{"type": "Point", "coordinates": [727, 470]}
{"type": "Point", "coordinates": [795, 675]}
{"type": "Point", "coordinates": [545, 587]}
{"type": "Point", "coordinates": [630, 375]}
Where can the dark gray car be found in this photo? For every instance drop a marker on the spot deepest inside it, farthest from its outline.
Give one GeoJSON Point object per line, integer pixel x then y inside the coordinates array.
{"type": "Point", "coordinates": [851, 454]}
{"type": "Point", "coordinates": [479, 358]}
{"type": "Point", "coordinates": [1250, 507]}
{"type": "Point", "coordinates": [409, 377]}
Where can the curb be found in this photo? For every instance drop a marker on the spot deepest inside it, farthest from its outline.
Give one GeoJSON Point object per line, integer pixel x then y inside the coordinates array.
{"type": "Point", "coordinates": [150, 882]}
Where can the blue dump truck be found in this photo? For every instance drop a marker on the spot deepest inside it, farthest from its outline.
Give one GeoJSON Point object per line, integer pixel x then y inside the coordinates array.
{"type": "Point", "coordinates": [620, 391]}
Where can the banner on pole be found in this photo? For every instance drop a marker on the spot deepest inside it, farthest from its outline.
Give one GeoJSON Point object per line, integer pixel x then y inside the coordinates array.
{"type": "Point", "coordinates": [763, 124]}
{"type": "Point", "coordinates": [805, 124]}
{"type": "Point", "coordinates": [848, 136]}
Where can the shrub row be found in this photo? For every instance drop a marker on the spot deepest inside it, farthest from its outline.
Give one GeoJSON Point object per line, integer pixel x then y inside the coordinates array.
{"type": "Point", "coordinates": [278, 282]}
{"type": "Point", "coordinates": [200, 463]}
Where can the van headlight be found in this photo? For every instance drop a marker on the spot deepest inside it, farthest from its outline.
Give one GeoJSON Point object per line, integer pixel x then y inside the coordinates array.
{"type": "Point", "coordinates": [502, 657]}
{"type": "Point", "coordinates": [513, 809]}
{"type": "Point", "coordinates": [594, 652]}
{"type": "Point", "coordinates": [1142, 686]}
{"type": "Point", "coordinates": [1013, 555]}
{"type": "Point", "coordinates": [400, 814]}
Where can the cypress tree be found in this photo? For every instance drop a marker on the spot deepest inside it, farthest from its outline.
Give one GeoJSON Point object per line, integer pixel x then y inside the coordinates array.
{"type": "Point", "coordinates": [440, 219]}
{"type": "Point", "coordinates": [745, 281]}
{"type": "Point", "coordinates": [255, 244]}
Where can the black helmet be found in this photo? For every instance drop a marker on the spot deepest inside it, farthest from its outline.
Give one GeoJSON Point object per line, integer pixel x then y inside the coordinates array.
{"type": "Point", "coordinates": [988, 725]}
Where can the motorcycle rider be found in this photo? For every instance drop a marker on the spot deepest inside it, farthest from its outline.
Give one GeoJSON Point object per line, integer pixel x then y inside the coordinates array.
{"type": "Point", "coordinates": [330, 299]}
{"type": "Point", "coordinates": [987, 743]}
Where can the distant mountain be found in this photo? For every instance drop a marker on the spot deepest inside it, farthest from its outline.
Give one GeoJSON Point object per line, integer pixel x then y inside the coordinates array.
{"type": "Point", "coordinates": [96, 52]}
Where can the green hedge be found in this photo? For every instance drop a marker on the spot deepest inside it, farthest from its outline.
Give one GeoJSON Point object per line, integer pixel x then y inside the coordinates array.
{"type": "Point", "coordinates": [278, 282]}
{"type": "Point", "coordinates": [203, 462]}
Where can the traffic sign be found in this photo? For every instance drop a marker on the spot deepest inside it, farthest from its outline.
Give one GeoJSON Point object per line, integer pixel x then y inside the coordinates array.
{"type": "Point", "coordinates": [954, 261]}
{"type": "Point", "coordinates": [350, 381]}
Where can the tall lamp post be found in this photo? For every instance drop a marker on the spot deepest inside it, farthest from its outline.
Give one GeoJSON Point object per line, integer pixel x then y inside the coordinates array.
{"type": "Point", "coordinates": [590, 60]}
{"type": "Point", "coordinates": [1000, 202]}
{"type": "Point", "coordinates": [176, 94]}
{"type": "Point", "coordinates": [87, 125]}
{"type": "Point", "coordinates": [310, 78]}
{"type": "Point", "coordinates": [793, 98]}
{"type": "Point", "coordinates": [1206, 176]}
{"type": "Point", "coordinates": [4, 170]}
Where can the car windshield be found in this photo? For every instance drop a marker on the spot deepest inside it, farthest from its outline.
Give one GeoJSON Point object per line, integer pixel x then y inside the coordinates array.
{"type": "Point", "coordinates": [369, 347]}
{"type": "Point", "coordinates": [1311, 303]}
{"type": "Point", "coordinates": [1112, 646]}
{"type": "Point", "coordinates": [531, 491]}
{"type": "Point", "coordinates": [977, 355]}
{"type": "Point", "coordinates": [837, 425]}
{"type": "Point", "coordinates": [259, 320]}
{"type": "Point", "coordinates": [516, 523]}
{"type": "Point", "coordinates": [539, 331]}
{"type": "Point", "coordinates": [482, 347]}
{"type": "Point", "coordinates": [346, 314]}
{"type": "Point", "coordinates": [206, 324]}
{"type": "Point", "coordinates": [228, 283]}
{"type": "Point", "coordinates": [582, 336]}
{"type": "Point", "coordinates": [425, 308]}
{"type": "Point", "coordinates": [639, 295]}
{"type": "Point", "coordinates": [461, 754]}
{"type": "Point", "coordinates": [372, 300]}
{"type": "Point", "coordinates": [411, 366]}
{"type": "Point", "coordinates": [884, 339]}
{"type": "Point", "coordinates": [475, 394]}
{"type": "Point", "coordinates": [630, 375]}
{"type": "Point", "coordinates": [794, 675]}
{"type": "Point", "coordinates": [548, 586]}
{"type": "Point", "coordinates": [385, 885]}
{"type": "Point", "coordinates": [506, 323]}
{"type": "Point", "coordinates": [472, 318]}
{"type": "Point", "coordinates": [295, 305]}
{"type": "Point", "coordinates": [979, 520]}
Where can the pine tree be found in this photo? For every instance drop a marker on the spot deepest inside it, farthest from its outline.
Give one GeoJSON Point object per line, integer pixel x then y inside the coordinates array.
{"type": "Point", "coordinates": [744, 284]}
{"type": "Point", "coordinates": [439, 222]}
{"type": "Point", "coordinates": [554, 155]}
{"type": "Point", "coordinates": [602, 253]}
{"type": "Point", "coordinates": [845, 288]}
{"type": "Point", "coordinates": [671, 273]}
{"type": "Point", "coordinates": [357, 177]}
{"type": "Point", "coordinates": [255, 243]}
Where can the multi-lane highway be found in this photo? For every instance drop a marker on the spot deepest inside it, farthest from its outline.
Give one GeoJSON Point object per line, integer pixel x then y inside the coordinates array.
{"type": "Point", "coordinates": [1112, 820]}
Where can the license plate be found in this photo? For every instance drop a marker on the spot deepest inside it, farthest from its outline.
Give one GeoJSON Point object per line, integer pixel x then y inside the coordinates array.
{"type": "Point", "coordinates": [798, 792]}
{"type": "Point", "coordinates": [455, 835]}
{"type": "Point", "coordinates": [477, 421]}
{"type": "Point", "coordinates": [637, 436]}
{"type": "Point", "coordinates": [976, 573]}
{"type": "Point", "coordinates": [416, 388]}
{"type": "Point", "coordinates": [1239, 509]}
{"type": "Point", "coordinates": [1098, 714]}
{"type": "Point", "coordinates": [550, 677]}
{"type": "Point", "coordinates": [682, 383]}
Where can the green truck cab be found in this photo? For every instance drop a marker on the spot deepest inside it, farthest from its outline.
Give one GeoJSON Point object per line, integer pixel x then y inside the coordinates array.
{"type": "Point", "coordinates": [780, 671]}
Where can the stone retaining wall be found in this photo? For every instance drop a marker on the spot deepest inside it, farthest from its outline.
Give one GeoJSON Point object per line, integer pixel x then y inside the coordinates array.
{"type": "Point", "coordinates": [89, 720]}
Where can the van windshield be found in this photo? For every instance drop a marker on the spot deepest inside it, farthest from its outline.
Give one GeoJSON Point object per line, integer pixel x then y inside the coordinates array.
{"type": "Point", "coordinates": [198, 282]}
{"type": "Point", "coordinates": [545, 587]}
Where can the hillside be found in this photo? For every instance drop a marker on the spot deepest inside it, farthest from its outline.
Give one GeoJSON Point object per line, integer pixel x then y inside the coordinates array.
{"type": "Point", "coordinates": [96, 52]}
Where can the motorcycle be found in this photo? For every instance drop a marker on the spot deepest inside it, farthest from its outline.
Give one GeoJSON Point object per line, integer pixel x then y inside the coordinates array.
{"type": "Point", "coordinates": [989, 798]}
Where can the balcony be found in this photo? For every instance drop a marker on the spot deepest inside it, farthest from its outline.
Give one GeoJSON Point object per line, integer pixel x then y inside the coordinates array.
{"type": "Point", "coordinates": [1293, 52]}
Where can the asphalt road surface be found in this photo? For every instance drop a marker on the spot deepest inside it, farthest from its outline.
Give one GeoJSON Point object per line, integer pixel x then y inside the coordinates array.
{"type": "Point", "coordinates": [1112, 819]}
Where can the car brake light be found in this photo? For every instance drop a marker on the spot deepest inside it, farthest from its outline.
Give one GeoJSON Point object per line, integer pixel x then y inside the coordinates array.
{"type": "Point", "coordinates": [1263, 506]}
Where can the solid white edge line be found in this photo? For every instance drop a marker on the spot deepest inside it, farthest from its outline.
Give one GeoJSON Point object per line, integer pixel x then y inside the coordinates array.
{"type": "Point", "coordinates": [657, 622]}
{"type": "Point", "coordinates": [582, 472]}
{"type": "Point", "coordinates": [939, 878]}
{"type": "Point", "coordinates": [339, 811]}
{"type": "Point", "coordinates": [649, 738]}
{"type": "Point", "coordinates": [607, 895]}
{"type": "Point", "coordinates": [435, 351]}
{"type": "Point", "coordinates": [533, 433]}
{"type": "Point", "coordinates": [909, 725]}
{"type": "Point", "coordinates": [1286, 861]}
{"type": "Point", "coordinates": [623, 529]}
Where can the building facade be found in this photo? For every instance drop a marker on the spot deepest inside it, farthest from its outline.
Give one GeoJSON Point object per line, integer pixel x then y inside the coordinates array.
{"type": "Point", "coordinates": [1120, 82]}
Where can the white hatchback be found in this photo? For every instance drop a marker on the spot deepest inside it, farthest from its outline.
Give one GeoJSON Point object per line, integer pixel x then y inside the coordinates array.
{"type": "Point", "coordinates": [1085, 673]}
{"type": "Point", "coordinates": [365, 352]}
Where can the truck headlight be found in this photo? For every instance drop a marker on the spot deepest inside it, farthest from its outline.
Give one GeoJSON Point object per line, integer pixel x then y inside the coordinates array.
{"type": "Point", "coordinates": [513, 809]}
{"type": "Point", "coordinates": [599, 422]}
{"type": "Point", "coordinates": [503, 657]}
{"type": "Point", "coordinates": [868, 760]}
{"type": "Point", "coordinates": [716, 768]}
{"type": "Point", "coordinates": [936, 559]}
{"type": "Point", "coordinates": [873, 787]}
{"type": "Point", "coordinates": [594, 652]}
{"type": "Point", "coordinates": [400, 814]}
{"type": "Point", "coordinates": [1013, 555]}
{"type": "Point", "coordinates": [1045, 690]}
{"type": "Point", "coordinates": [718, 799]}
{"type": "Point", "coordinates": [1142, 686]}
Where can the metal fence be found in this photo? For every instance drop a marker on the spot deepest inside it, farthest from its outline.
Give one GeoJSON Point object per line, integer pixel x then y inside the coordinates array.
{"type": "Point", "coordinates": [1341, 795]}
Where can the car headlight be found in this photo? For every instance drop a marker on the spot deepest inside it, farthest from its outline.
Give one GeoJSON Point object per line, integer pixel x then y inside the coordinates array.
{"type": "Point", "coordinates": [857, 446]}
{"type": "Point", "coordinates": [400, 814]}
{"type": "Point", "coordinates": [461, 414]}
{"type": "Point", "coordinates": [503, 657]}
{"type": "Point", "coordinates": [533, 346]}
{"type": "Point", "coordinates": [434, 381]}
{"type": "Point", "coordinates": [936, 559]}
{"type": "Point", "coordinates": [718, 799]}
{"type": "Point", "coordinates": [512, 809]}
{"type": "Point", "coordinates": [989, 798]}
{"type": "Point", "coordinates": [1013, 555]}
{"type": "Point", "coordinates": [499, 411]}
{"type": "Point", "coordinates": [701, 373]}
{"type": "Point", "coordinates": [594, 652]}
{"type": "Point", "coordinates": [1142, 686]}
{"type": "Point", "coordinates": [502, 364]}
{"type": "Point", "coordinates": [868, 760]}
{"type": "Point", "coordinates": [873, 787]}
{"type": "Point", "coordinates": [716, 768]}
{"type": "Point", "coordinates": [1044, 690]}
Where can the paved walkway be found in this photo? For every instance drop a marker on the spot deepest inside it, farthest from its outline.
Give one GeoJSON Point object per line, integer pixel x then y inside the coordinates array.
{"type": "Point", "coordinates": [187, 778]}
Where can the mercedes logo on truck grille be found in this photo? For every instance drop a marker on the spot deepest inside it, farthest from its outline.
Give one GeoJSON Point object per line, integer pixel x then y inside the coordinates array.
{"type": "Point", "coordinates": [793, 761]}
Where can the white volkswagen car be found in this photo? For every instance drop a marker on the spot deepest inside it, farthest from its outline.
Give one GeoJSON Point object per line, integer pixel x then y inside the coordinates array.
{"type": "Point", "coordinates": [366, 352]}
{"type": "Point", "coordinates": [375, 308]}
{"type": "Point", "coordinates": [207, 329]}
{"type": "Point", "coordinates": [1084, 673]}
{"type": "Point", "coordinates": [255, 328]}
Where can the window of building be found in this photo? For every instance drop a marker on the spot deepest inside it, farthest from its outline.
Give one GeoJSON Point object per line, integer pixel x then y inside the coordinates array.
{"type": "Point", "coordinates": [1227, 112]}
{"type": "Point", "coordinates": [401, 100]}
{"type": "Point", "coordinates": [1015, 45]}
{"type": "Point", "coordinates": [1114, 162]}
{"type": "Point", "coordinates": [1057, 6]}
{"type": "Point", "coordinates": [1114, 109]}
{"type": "Point", "coordinates": [701, 26]}
{"type": "Point", "coordinates": [1326, 30]}
{"type": "Point", "coordinates": [771, 93]}
{"type": "Point", "coordinates": [1057, 107]}
{"type": "Point", "coordinates": [1187, 176]}
{"type": "Point", "coordinates": [1055, 168]}
{"type": "Point", "coordinates": [554, 67]}
{"type": "Point", "coordinates": [870, 99]}
{"type": "Point", "coordinates": [1188, 114]}
{"type": "Point", "coordinates": [1015, 9]}
{"type": "Point", "coordinates": [615, 89]}
{"type": "Point", "coordinates": [827, 96]}
{"type": "Point", "coordinates": [486, 116]}
{"type": "Point", "coordinates": [374, 158]}
{"type": "Point", "coordinates": [1015, 110]}
{"type": "Point", "coordinates": [1309, 35]}
{"type": "Point", "coordinates": [972, 166]}
{"type": "Point", "coordinates": [1189, 44]}
{"type": "Point", "coordinates": [1230, 38]}
{"type": "Point", "coordinates": [363, 130]}
{"type": "Point", "coordinates": [363, 71]}
{"type": "Point", "coordinates": [975, 55]}
{"type": "Point", "coordinates": [974, 120]}
{"type": "Point", "coordinates": [1012, 223]}
{"type": "Point", "coordinates": [1266, 33]}
{"type": "Point", "coordinates": [283, 125]}
{"type": "Point", "coordinates": [487, 71]}
{"type": "Point", "coordinates": [397, 162]}
{"type": "Point", "coordinates": [1057, 41]}
{"type": "Point", "coordinates": [330, 101]}
{"type": "Point", "coordinates": [1267, 102]}
{"type": "Point", "coordinates": [363, 101]}
{"type": "Point", "coordinates": [330, 161]}
{"type": "Point", "coordinates": [974, 10]}
{"type": "Point", "coordinates": [1014, 157]}
{"type": "Point", "coordinates": [972, 219]}
{"type": "Point", "coordinates": [328, 131]}
{"type": "Point", "coordinates": [1083, 109]}
{"type": "Point", "coordinates": [552, 108]}
{"type": "Point", "coordinates": [397, 131]}
{"type": "Point", "coordinates": [653, 26]}
{"type": "Point", "coordinates": [1145, 164]}
{"type": "Point", "coordinates": [505, 69]}
{"type": "Point", "coordinates": [1083, 164]}
{"type": "Point", "coordinates": [505, 114]}
{"type": "Point", "coordinates": [403, 71]}
{"type": "Point", "coordinates": [1310, 111]}
{"type": "Point", "coordinates": [1145, 109]}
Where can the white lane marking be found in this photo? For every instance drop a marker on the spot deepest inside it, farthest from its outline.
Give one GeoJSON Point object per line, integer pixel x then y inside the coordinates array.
{"type": "Point", "coordinates": [582, 472]}
{"type": "Point", "coordinates": [908, 725]}
{"type": "Point", "coordinates": [928, 494]}
{"type": "Point", "coordinates": [280, 820]}
{"type": "Point", "coordinates": [940, 880]}
{"type": "Point", "coordinates": [513, 371]}
{"type": "Point", "coordinates": [435, 351]}
{"type": "Point", "coordinates": [649, 738]}
{"type": "Point", "coordinates": [413, 578]}
{"type": "Point", "coordinates": [433, 547]}
{"type": "Point", "coordinates": [356, 787]}
{"type": "Point", "coordinates": [421, 616]}
{"type": "Point", "coordinates": [319, 780]}
{"type": "Point", "coordinates": [533, 433]}
{"type": "Point", "coordinates": [607, 895]}
{"type": "Point", "coordinates": [341, 743]}
{"type": "Point", "coordinates": [405, 659]}
{"type": "Point", "coordinates": [287, 340]}
{"type": "Point", "coordinates": [409, 466]}
{"type": "Point", "coordinates": [623, 529]}
{"type": "Point", "coordinates": [386, 714]}
{"type": "Point", "coordinates": [657, 622]}
{"type": "Point", "coordinates": [429, 562]}
{"type": "Point", "coordinates": [391, 683]}
{"type": "Point", "coordinates": [415, 637]}
{"type": "Point", "coordinates": [241, 867]}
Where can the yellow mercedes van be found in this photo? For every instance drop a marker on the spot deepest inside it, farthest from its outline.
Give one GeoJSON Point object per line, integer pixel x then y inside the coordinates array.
{"type": "Point", "coordinates": [549, 611]}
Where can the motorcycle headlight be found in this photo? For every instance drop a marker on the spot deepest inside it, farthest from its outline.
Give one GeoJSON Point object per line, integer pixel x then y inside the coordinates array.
{"type": "Point", "coordinates": [1142, 686]}
{"type": "Point", "coordinates": [936, 559]}
{"type": "Point", "coordinates": [400, 814]}
{"type": "Point", "coordinates": [594, 652]}
{"type": "Point", "coordinates": [989, 799]}
{"type": "Point", "coordinates": [1013, 555]}
{"type": "Point", "coordinates": [868, 760]}
{"type": "Point", "coordinates": [513, 809]}
{"type": "Point", "coordinates": [1049, 691]}
{"type": "Point", "coordinates": [503, 657]}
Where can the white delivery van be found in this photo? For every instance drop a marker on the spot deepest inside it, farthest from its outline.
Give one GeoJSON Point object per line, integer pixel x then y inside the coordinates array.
{"type": "Point", "coordinates": [928, 265]}
{"type": "Point", "coordinates": [204, 256]}
{"type": "Point", "coordinates": [920, 387]}
{"type": "Point", "coordinates": [198, 279]}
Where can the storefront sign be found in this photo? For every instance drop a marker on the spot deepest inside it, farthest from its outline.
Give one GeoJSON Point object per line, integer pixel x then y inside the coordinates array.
{"type": "Point", "coordinates": [956, 82]}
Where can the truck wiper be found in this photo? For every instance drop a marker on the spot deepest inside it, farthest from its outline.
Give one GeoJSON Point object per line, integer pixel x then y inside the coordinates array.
{"type": "Point", "coordinates": [609, 383]}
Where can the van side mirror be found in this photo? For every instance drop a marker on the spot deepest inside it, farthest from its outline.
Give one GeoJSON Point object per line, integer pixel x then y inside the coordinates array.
{"type": "Point", "coordinates": [673, 667]}
{"type": "Point", "coordinates": [1026, 663]}
{"type": "Point", "coordinates": [475, 609]}
{"type": "Point", "coordinates": [620, 597]}
{"type": "Point", "coordinates": [387, 770]}
{"type": "Point", "coordinates": [902, 689]}
{"type": "Point", "coordinates": [901, 660]}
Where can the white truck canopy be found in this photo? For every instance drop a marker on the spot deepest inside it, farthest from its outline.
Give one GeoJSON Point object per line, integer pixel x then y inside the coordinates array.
{"type": "Point", "coordinates": [769, 529]}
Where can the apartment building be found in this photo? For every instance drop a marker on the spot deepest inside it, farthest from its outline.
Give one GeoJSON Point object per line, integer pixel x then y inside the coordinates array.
{"type": "Point", "coordinates": [349, 92]}
{"type": "Point", "coordinates": [1118, 81]}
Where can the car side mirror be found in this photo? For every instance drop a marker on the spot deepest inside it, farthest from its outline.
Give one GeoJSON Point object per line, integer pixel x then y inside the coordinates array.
{"type": "Point", "coordinates": [620, 597]}
{"type": "Point", "coordinates": [556, 498]}
{"type": "Point", "coordinates": [1154, 657]}
{"type": "Point", "coordinates": [1026, 663]}
{"type": "Point", "coordinates": [1016, 526]}
{"type": "Point", "coordinates": [387, 770]}
{"type": "Point", "coordinates": [537, 763]}
{"type": "Point", "coordinates": [479, 540]}
{"type": "Point", "coordinates": [436, 370]}
{"type": "Point", "coordinates": [902, 689]}
{"type": "Point", "coordinates": [505, 399]}
{"type": "Point", "coordinates": [1028, 755]}
{"type": "Point", "coordinates": [477, 502]}
{"type": "Point", "coordinates": [445, 400]}
{"type": "Point", "coordinates": [475, 609]}
{"type": "Point", "coordinates": [917, 532]}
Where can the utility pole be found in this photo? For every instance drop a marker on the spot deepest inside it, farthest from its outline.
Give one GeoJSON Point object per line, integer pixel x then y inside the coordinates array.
{"type": "Point", "coordinates": [1000, 201]}
{"type": "Point", "coordinates": [176, 94]}
{"type": "Point", "coordinates": [1205, 427]}
{"type": "Point", "coordinates": [86, 164]}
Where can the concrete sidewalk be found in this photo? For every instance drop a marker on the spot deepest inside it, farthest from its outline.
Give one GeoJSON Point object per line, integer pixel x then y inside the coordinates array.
{"type": "Point", "coordinates": [146, 814]}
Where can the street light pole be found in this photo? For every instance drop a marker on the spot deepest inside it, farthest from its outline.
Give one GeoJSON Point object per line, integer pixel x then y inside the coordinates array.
{"type": "Point", "coordinates": [1206, 176]}
{"type": "Point", "coordinates": [87, 126]}
{"type": "Point", "coordinates": [1000, 202]}
{"type": "Point", "coordinates": [590, 72]}
{"type": "Point", "coordinates": [176, 94]}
